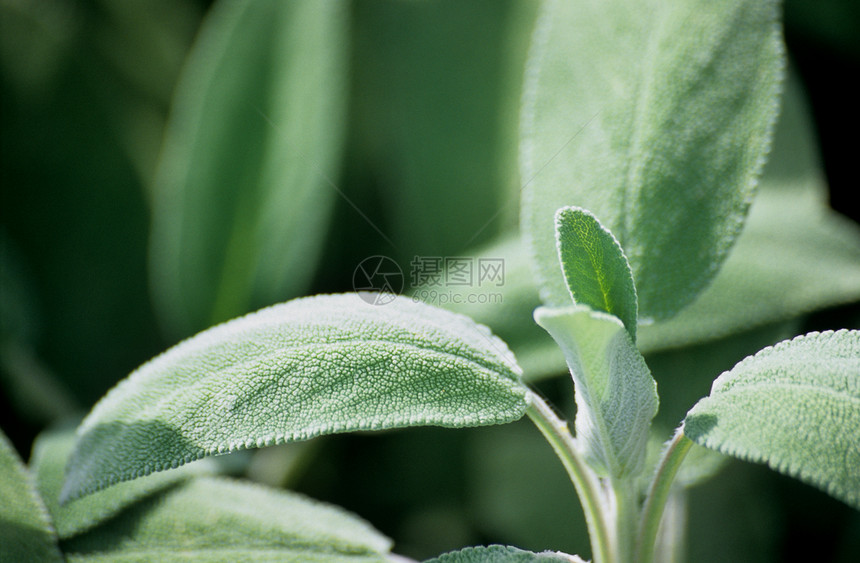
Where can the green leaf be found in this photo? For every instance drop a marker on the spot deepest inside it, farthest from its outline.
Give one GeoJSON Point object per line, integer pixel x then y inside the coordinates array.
{"type": "Point", "coordinates": [25, 528]}
{"type": "Point", "coordinates": [594, 266]}
{"type": "Point", "coordinates": [312, 366]}
{"type": "Point", "coordinates": [215, 519]}
{"type": "Point", "coordinates": [242, 193]}
{"type": "Point", "coordinates": [435, 109]}
{"type": "Point", "coordinates": [616, 397]}
{"type": "Point", "coordinates": [795, 255]}
{"type": "Point", "coordinates": [503, 554]}
{"type": "Point", "coordinates": [795, 406]}
{"type": "Point", "coordinates": [51, 452]}
{"type": "Point", "coordinates": [656, 117]}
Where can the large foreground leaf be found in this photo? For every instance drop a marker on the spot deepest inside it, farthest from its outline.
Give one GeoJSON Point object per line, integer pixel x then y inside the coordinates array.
{"type": "Point", "coordinates": [293, 371]}
{"type": "Point", "coordinates": [503, 554]}
{"type": "Point", "coordinates": [214, 519]}
{"type": "Point", "coordinates": [656, 117]}
{"type": "Point", "coordinates": [25, 529]}
{"type": "Point", "coordinates": [795, 406]}
{"type": "Point", "coordinates": [616, 397]}
{"type": "Point", "coordinates": [242, 194]}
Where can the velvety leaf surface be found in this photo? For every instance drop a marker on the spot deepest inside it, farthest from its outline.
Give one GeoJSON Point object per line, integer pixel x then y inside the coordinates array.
{"type": "Point", "coordinates": [616, 397]}
{"type": "Point", "coordinates": [656, 117]}
{"type": "Point", "coordinates": [312, 366]}
{"type": "Point", "coordinates": [795, 406]}
{"type": "Point", "coordinates": [794, 256]}
{"type": "Point", "coordinates": [503, 554]}
{"type": "Point", "coordinates": [594, 266]}
{"type": "Point", "coordinates": [25, 528]}
{"type": "Point", "coordinates": [51, 452]}
{"type": "Point", "coordinates": [215, 519]}
{"type": "Point", "coordinates": [242, 194]}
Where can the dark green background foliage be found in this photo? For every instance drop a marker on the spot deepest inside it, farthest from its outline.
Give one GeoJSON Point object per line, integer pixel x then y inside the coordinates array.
{"type": "Point", "coordinates": [424, 163]}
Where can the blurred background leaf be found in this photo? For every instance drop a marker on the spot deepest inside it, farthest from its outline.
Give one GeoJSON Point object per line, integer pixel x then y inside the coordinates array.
{"type": "Point", "coordinates": [243, 188]}
{"type": "Point", "coordinates": [85, 89]}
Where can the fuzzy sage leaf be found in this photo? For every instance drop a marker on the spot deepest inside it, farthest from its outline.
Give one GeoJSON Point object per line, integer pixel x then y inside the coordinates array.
{"type": "Point", "coordinates": [656, 117]}
{"type": "Point", "coordinates": [616, 397]}
{"type": "Point", "coordinates": [25, 529]}
{"type": "Point", "coordinates": [503, 554]}
{"type": "Point", "coordinates": [595, 268]}
{"type": "Point", "coordinates": [795, 406]}
{"type": "Point", "coordinates": [51, 452]}
{"type": "Point", "coordinates": [209, 519]}
{"type": "Point", "coordinates": [297, 370]}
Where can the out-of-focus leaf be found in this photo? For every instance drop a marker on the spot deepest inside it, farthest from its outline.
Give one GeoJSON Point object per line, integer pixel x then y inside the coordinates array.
{"type": "Point", "coordinates": [503, 554]}
{"type": "Point", "coordinates": [50, 454]}
{"type": "Point", "coordinates": [795, 406]}
{"type": "Point", "coordinates": [794, 256]}
{"type": "Point", "coordinates": [435, 117]}
{"type": "Point", "coordinates": [34, 392]}
{"type": "Point", "coordinates": [656, 117]}
{"type": "Point", "coordinates": [25, 528]}
{"type": "Point", "coordinates": [313, 366]}
{"type": "Point", "coordinates": [616, 397]}
{"type": "Point", "coordinates": [212, 519]}
{"type": "Point", "coordinates": [594, 266]}
{"type": "Point", "coordinates": [243, 188]}
{"type": "Point", "coordinates": [18, 316]}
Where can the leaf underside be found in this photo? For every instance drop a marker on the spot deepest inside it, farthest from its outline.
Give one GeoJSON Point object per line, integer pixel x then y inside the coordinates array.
{"type": "Point", "coordinates": [616, 397]}
{"type": "Point", "coordinates": [794, 406]}
{"type": "Point", "coordinates": [308, 367]}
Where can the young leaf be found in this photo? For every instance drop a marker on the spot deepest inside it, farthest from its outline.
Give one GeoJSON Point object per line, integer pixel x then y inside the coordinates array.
{"type": "Point", "coordinates": [594, 266]}
{"type": "Point", "coordinates": [212, 519]}
{"type": "Point", "coordinates": [25, 528]}
{"type": "Point", "coordinates": [503, 554]}
{"type": "Point", "coordinates": [616, 397]}
{"type": "Point", "coordinates": [242, 194]}
{"type": "Point", "coordinates": [656, 117]}
{"type": "Point", "coordinates": [48, 462]}
{"type": "Point", "coordinates": [795, 406]}
{"type": "Point", "coordinates": [297, 370]}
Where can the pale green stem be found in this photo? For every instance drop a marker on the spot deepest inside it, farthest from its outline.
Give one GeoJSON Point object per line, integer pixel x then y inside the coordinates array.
{"type": "Point", "coordinates": [670, 546]}
{"type": "Point", "coordinates": [626, 518]}
{"type": "Point", "coordinates": [557, 433]}
{"type": "Point", "coordinates": [658, 493]}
